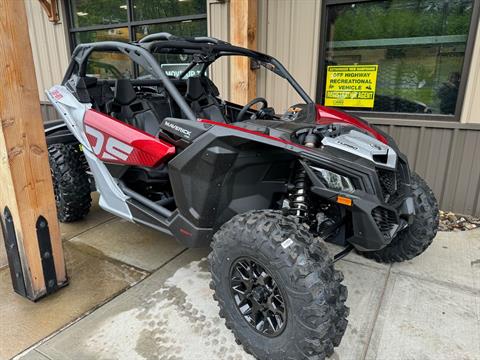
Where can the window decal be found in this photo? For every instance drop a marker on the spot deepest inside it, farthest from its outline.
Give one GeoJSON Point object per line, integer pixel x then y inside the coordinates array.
{"type": "Point", "coordinates": [351, 86]}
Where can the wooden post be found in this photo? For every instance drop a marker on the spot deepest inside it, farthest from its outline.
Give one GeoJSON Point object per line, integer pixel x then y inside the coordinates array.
{"type": "Point", "coordinates": [243, 30]}
{"type": "Point", "coordinates": [27, 205]}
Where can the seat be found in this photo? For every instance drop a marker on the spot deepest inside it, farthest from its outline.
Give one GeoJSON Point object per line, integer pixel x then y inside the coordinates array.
{"type": "Point", "coordinates": [83, 86]}
{"type": "Point", "coordinates": [90, 90]}
{"type": "Point", "coordinates": [201, 94]}
{"type": "Point", "coordinates": [132, 109]}
{"type": "Point", "coordinates": [123, 96]}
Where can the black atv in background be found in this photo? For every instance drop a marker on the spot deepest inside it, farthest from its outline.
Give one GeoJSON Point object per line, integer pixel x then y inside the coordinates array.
{"type": "Point", "coordinates": [264, 191]}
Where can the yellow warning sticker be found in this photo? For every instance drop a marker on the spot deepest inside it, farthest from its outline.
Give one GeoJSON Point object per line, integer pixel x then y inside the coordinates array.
{"type": "Point", "coordinates": [351, 85]}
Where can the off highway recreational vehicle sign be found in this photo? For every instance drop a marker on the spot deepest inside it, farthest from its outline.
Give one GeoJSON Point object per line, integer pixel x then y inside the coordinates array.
{"type": "Point", "coordinates": [351, 85]}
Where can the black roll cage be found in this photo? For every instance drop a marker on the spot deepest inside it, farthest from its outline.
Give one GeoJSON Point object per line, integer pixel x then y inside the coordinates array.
{"type": "Point", "coordinates": [205, 50]}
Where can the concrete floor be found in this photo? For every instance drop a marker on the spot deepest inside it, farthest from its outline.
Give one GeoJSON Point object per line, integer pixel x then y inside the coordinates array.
{"type": "Point", "coordinates": [428, 308]}
{"type": "Point", "coordinates": [94, 279]}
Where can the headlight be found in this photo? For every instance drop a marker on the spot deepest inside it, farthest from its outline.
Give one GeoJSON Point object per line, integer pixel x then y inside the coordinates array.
{"type": "Point", "coordinates": [334, 181]}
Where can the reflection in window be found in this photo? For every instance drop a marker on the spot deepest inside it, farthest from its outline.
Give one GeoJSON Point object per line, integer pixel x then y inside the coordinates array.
{"type": "Point", "coordinates": [187, 28]}
{"type": "Point", "coordinates": [109, 65]}
{"type": "Point", "coordinates": [111, 21]}
{"type": "Point", "coordinates": [118, 34]}
{"type": "Point", "coordinates": [148, 9]}
{"type": "Point", "coordinates": [418, 45]}
{"type": "Point", "coordinates": [98, 12]}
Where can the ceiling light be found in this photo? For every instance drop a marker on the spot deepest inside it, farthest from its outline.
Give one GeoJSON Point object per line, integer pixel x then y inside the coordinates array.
{"type": "Point", "coordinates": [81, 13]}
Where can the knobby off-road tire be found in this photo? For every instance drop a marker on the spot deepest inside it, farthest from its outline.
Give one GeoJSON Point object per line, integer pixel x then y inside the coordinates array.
{"type": "Point", "coordinates": [313, 295]}
{"type": "Point", "coordinates": [415, 239]}
{"type": "Point", "coordinates": [70, 182]}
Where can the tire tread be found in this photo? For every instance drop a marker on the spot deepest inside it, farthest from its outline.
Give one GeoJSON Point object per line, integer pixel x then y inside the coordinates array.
{"type": "Point", "coordinates": [70, 182]}
{"type": "Point", "coordinates": [314, 284]}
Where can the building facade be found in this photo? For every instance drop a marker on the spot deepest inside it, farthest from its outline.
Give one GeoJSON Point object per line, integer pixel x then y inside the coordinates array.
{"type": "Point", "coordinates": [425, 56]}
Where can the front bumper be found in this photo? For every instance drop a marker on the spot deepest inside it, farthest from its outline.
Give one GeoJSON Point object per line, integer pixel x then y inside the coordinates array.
{"type": "Point", "coordinates": [374, 223]}
{"type": "Point", "coordinates": [376, 216]}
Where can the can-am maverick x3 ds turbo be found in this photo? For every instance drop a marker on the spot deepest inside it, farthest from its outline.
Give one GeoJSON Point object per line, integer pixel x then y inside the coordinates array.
{"type": "Point", "coordinates": [263, 190]}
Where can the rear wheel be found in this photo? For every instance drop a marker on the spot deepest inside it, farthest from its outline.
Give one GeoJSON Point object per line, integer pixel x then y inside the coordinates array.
{"type": "Point", "coordinates": [70, 182]}
{"type": "Point", "coordinates": [417, 237]}
{"type": "Point", "coordinates": [277, 288]}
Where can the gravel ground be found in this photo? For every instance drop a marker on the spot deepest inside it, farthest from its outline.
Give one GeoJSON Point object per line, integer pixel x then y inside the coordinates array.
{"type": "Point", "coordinates": [450, 221]}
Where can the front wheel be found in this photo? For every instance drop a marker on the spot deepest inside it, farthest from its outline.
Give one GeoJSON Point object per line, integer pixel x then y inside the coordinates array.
{"type": "Point", "coordinates": [418, 236]}
{"type": "Point", "coordinates": [277, 288]}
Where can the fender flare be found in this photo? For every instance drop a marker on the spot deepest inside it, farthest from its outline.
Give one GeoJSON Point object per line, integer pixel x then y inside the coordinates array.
{"type": "Point", "coordinates": [57, 132]}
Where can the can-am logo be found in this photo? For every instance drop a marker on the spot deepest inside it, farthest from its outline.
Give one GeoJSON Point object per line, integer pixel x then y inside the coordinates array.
{"type": "Point", "coordinates": [181, 130]}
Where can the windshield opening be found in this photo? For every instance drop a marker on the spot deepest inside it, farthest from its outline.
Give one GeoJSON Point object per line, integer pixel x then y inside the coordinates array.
{"type": "Point", "coordinates": [273, 84]}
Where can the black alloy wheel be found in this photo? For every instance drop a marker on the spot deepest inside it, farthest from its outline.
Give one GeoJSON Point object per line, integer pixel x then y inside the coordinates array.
{"type": "Point", "coordinates": [258, 297]}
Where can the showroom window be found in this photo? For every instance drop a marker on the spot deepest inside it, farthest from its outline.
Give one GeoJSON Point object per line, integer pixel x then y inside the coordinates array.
{"type": "Point", "coordinates": [131, 20]}
{"type": "Point", "coordinates": [401, 58]}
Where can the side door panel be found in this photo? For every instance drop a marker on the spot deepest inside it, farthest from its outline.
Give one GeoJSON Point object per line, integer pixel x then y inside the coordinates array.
{"type": "Point", "coordinates": [113, 141]}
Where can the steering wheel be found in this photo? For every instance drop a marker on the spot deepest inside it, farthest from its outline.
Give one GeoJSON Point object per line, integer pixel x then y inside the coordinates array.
{"type": "Point", "coordinates": [247, 107]}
